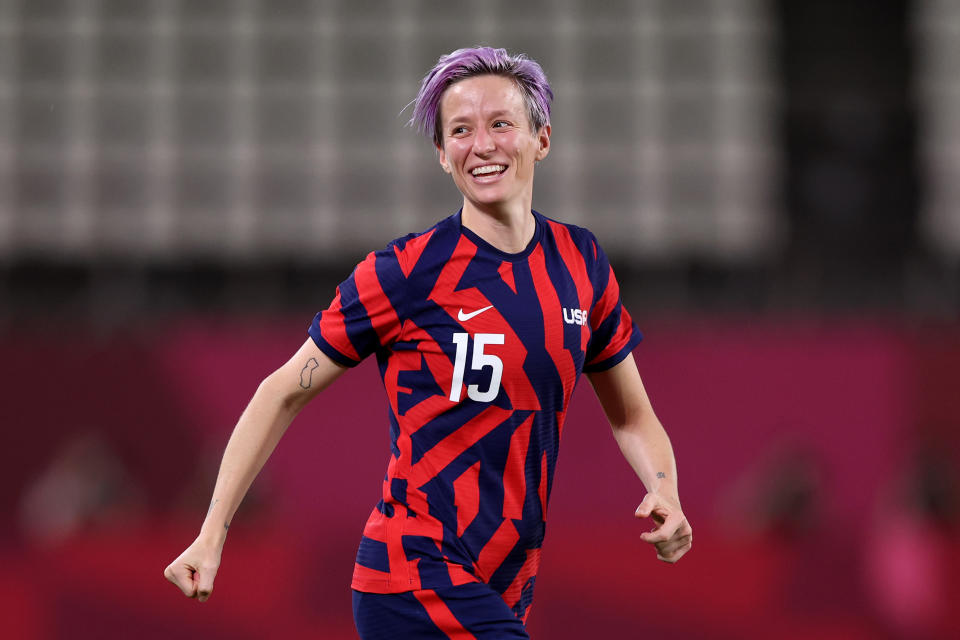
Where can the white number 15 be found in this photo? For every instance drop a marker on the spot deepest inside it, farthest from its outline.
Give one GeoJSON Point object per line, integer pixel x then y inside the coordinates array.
{"type": "Point", "coordinates": [480, 360]}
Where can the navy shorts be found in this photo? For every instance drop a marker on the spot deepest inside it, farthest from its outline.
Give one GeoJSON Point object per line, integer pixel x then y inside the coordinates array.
{"type": "Point", "coordinates": [467, 611]}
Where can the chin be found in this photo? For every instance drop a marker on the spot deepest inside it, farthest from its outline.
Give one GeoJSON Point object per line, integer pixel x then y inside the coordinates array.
{"type": "Point", "coordinates": [490, 202]}
{"type": "Point", "coordinates": [491, 197]}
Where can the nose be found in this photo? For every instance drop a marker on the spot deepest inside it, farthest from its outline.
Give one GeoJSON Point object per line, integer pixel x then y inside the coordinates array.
{"type": "Point", "coordinates": [483, 142]}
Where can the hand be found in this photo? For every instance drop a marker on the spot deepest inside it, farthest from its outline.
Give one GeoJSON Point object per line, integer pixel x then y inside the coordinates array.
{"type": "Point", "coordinates": [195, 569]}
{"type": "Point", "coordinates": [672, 535]}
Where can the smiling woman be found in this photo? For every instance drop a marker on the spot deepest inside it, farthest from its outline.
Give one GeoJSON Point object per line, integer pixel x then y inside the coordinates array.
{"type": "Point", "coordinates": [489, 115]}
{"type": "Point", "coordinates": [490, 148]}
{"type": "Point", "coordinates": [481, 325]}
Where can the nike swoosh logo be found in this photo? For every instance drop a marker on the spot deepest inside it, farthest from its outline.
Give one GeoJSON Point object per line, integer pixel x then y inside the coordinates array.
{"type": "Point", "coordinates": [463, 317]}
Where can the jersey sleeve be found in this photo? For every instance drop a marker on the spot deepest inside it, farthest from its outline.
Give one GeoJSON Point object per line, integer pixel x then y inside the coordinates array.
{"type": "Point", "coordinates": [363, 317]}
{"type": "Point", "coordinates": [613, 332]}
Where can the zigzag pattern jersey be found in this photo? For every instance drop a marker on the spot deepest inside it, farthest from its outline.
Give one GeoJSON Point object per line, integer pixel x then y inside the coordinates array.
{"type": "Point", "coordinates": [479, 351]}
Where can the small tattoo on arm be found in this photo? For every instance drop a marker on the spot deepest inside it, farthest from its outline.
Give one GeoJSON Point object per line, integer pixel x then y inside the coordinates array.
{"type": "Point", "coordinates": [661, 474]}
{"type": "Point", "coordinates": [213, 502]}
{"type": "Point", "coordinates": [306, 375]}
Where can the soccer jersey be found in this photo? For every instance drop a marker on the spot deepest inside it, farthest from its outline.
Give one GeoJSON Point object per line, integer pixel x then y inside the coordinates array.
{"type": "Point", "coordinates": [479, 351]}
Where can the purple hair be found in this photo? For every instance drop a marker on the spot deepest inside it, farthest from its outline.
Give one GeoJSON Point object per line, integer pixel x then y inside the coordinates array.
{"type": "Point", "coordinates": [466, 63]}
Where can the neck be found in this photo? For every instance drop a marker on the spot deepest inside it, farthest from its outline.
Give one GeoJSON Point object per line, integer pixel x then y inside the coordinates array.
{"type": "Point", "coordinates": [509, 229]}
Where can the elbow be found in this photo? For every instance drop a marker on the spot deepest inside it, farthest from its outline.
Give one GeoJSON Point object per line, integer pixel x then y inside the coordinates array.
{"type": "Point", "coordinates": [291, 405]}
{"type": "Point", "coordinates": [639, 421]}
{"type": "Point", "coordinates": [624, 428]}
{"type": "Point", "coordinates": [285, 399]}
{"type": "Point", "coordinates": [629, 413]}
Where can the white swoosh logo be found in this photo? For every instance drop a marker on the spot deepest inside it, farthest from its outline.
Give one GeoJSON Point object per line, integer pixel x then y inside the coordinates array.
{"type": "Point", "coordinates": [463, 317]}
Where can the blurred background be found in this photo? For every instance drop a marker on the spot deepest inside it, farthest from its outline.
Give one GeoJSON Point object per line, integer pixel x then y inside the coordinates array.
{"type": "Point", "coordinates": [183, 184]}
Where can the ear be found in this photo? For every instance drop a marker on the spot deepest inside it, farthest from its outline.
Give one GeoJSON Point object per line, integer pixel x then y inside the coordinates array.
{"type": "Point", "coordinates": [543, 138]}
{"type": "Point", "coordinates": [442, 157]}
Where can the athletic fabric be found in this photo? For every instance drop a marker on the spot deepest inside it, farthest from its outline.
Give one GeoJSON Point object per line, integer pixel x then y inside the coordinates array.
{"type": "Point", "coordinates": [466, 612]}
{"type": "Point", "coordinates": [479, 351]}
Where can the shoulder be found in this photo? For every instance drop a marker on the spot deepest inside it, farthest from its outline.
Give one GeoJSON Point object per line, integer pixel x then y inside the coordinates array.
{"type": "Point", "coordinates": [405, 251]}
{"type": "Point", "coordinates": [566, 233]}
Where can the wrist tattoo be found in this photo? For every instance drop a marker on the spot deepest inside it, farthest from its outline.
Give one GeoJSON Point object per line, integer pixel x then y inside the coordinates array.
{"type": "Point", "coordinates": [306, 374]}
{"type": "Point", "coordinates": [226, 525]}
{"type": "Point", "coordinates": [661, 474]}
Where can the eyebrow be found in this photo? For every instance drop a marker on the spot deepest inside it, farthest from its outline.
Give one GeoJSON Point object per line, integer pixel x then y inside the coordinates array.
{"type": "Point", "coordinates": [458, 119]}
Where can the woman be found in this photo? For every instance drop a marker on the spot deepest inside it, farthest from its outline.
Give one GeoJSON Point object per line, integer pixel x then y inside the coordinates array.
{"type": "Point", "coordinates": [481, 326]}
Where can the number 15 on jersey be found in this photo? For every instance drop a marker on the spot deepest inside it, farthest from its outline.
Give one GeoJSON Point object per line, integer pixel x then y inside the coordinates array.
{"type": "Point", "coordinates": [479, 361]}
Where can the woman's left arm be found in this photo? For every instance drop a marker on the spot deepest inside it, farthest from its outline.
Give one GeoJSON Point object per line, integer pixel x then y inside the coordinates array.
{"type": "Point", "coordinates": [646, 447]}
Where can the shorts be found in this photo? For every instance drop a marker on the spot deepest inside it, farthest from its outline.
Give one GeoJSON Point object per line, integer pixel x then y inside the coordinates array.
{"type": "Point", "coordinates": [464, 612]}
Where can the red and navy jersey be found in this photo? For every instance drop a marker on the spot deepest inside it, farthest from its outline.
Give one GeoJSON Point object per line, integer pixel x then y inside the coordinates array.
{"type": "Point", "coordinates": [479, 351]}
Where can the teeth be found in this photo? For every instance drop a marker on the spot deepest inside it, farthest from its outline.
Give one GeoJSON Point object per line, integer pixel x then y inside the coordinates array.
{"type": "Point", "coordinates": [490, 168]}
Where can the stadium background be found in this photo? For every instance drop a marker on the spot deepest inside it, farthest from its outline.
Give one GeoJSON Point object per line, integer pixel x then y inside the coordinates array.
{"type": "Point", "coordinates": [182, 185]}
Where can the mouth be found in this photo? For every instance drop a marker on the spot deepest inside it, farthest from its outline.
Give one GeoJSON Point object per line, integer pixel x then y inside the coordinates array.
{"type": "Point", "coordinates": [488, 172]}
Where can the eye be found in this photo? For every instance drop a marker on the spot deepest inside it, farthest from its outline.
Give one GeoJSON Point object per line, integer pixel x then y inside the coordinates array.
{"type": "Point", "coordinates": [459, 130]}
{"type": "Point", "coordinates": [501, 124]}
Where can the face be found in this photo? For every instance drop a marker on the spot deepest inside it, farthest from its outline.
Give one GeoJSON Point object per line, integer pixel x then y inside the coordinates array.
{"type": "Point", "coordinates": [489, 146]}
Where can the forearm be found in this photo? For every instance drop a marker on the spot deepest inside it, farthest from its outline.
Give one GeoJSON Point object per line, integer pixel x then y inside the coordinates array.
{"type": "Point", "coordinates": [271, 410]}
{"type": "Point", "coordinates": [646, 446]}
{"type": "Point", "coordinates": [257, 433]}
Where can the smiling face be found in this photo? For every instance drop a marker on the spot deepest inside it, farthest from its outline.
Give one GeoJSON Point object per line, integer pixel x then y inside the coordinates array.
{"type": "Point", "coordinates": [489, 146]}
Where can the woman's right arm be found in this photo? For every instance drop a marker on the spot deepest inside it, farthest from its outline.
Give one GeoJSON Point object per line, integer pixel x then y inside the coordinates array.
{"type": "Point", "coordinates": [273, 407]}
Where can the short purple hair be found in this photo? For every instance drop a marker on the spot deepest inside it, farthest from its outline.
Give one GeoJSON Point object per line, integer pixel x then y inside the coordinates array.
{"type": "Point", "coordinates": [466, 63]}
